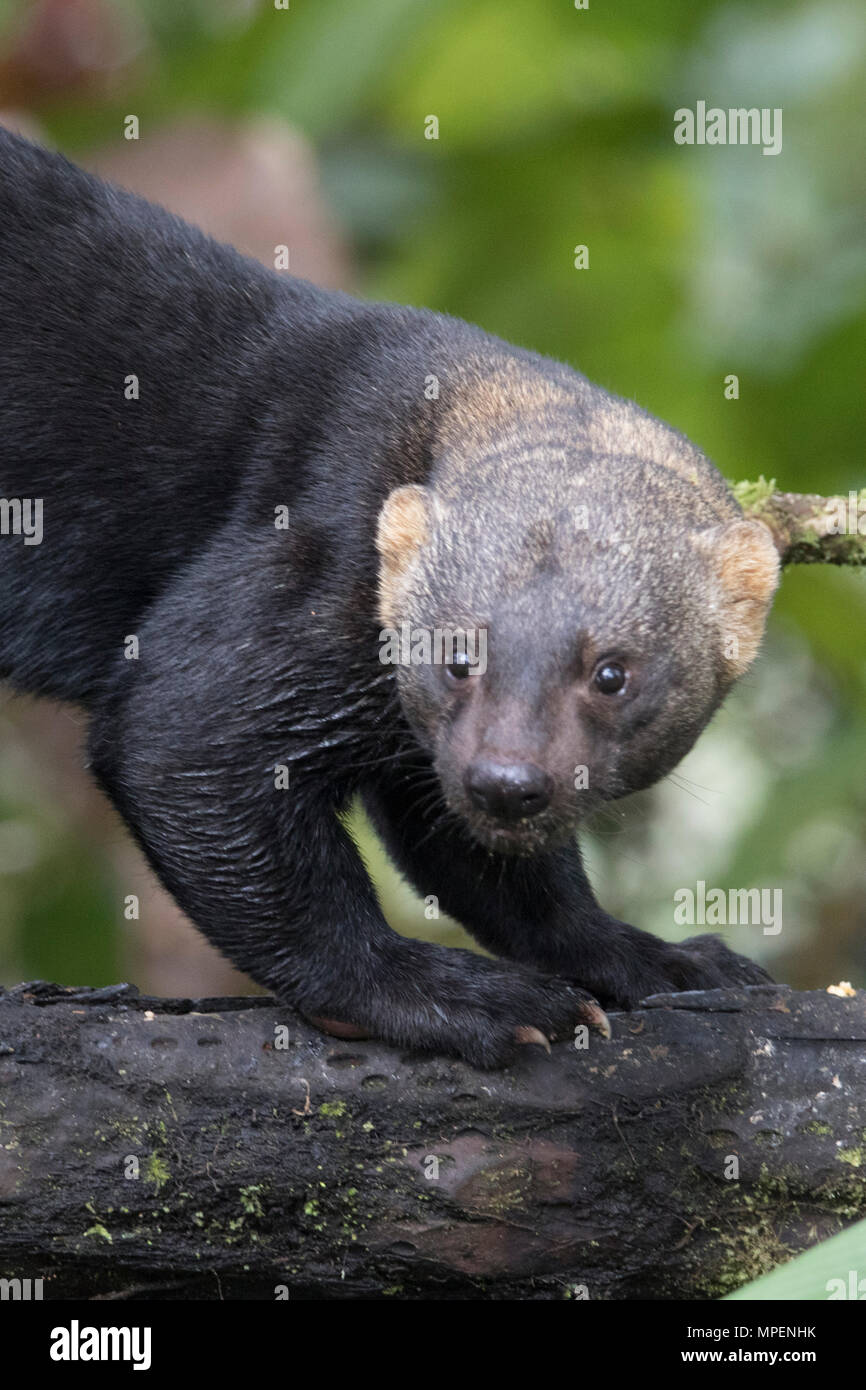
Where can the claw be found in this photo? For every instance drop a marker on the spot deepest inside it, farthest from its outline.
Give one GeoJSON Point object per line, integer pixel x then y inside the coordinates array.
{"type": "Point", "coordinates": [598, 1019]}
{"type": "Point", "coordinates": [526, 1034]}
{"type": "Point", "coordinates": [338, 1029]}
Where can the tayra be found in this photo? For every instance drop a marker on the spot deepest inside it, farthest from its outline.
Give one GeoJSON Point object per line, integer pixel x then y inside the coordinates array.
{"type": "Point", "coordinates": [169, 403]}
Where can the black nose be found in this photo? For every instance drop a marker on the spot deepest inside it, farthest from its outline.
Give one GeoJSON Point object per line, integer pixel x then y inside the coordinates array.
{"type": "Point", "coordinates": [508, 791]}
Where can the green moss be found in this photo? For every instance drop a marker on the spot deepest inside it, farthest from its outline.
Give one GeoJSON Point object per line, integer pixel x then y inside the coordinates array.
{"type": "Point", "coordinates": [99, 1230]}
{"type": "Point", "coordinates": [753, 1247]}
{"type": "Point", "coordinates": [746, 1253]}
{"type": "Point", "coordinates": [752, 495]}
{"type": "Point", "coordinates": [250, 1199]}
{"type": "Point", "coordinates": [852, 1156]}
{"type": "Point", "coordinates": [130, 1129]}
{"type": "Point", "coordinates": [156, 1172]}
{"type": "Point", "coordinates": [335, 1109]}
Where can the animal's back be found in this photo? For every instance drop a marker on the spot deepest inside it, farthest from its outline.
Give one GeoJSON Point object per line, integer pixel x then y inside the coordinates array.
{"type": "Point", "coordinates": [134, 360]}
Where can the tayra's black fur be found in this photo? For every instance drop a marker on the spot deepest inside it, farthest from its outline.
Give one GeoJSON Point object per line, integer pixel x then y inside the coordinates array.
{"type": "Point", "coordinates": [258, 647]}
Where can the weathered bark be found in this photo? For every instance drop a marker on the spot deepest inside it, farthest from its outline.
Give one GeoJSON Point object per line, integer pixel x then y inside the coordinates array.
{"type": "Point", "coordinates": [304, 1166]}
{"type": "Point", "coordinates": [809, 529]}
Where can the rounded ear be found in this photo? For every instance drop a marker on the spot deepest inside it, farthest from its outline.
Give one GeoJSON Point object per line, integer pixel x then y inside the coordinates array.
{"type": "Point", "coordinates": [405, 524]}
{"type": "Point", "coordinates": [745, 564]}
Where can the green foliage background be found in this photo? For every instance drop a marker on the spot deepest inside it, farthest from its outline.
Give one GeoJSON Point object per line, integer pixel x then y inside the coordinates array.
{"type": "Point", "coordinates": [556, 128]}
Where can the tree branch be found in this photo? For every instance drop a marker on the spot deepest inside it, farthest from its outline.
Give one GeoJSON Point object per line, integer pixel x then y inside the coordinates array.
{"type": "Point", "coordinates": [809, 529]}
{"type": "Point", "coordinates": [176, 1147]}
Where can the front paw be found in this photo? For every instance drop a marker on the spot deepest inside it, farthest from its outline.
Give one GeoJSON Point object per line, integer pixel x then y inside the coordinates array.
{"type": "Point", "coordinates": [705, 962]}
{"type": "Point", "coordinates": [489, 1029]}
{"type": "Point", "coordinates": [481, 1010]}
{"type": "Point", "coordinates": [635, 965]}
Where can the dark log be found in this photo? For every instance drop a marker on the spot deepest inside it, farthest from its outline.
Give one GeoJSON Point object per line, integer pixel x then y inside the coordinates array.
{"type": "Point", "coordinates": [304, 1168]}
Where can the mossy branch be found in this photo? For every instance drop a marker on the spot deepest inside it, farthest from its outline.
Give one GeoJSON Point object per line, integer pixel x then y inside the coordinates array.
{"type": "Point", "coordinates": [223, 1149]}
{"type": "Point", "coordinates": [808, 529]}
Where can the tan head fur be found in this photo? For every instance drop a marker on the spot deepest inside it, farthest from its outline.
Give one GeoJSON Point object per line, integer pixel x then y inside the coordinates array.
{"type": "Point", "coordinates": [404, 525]}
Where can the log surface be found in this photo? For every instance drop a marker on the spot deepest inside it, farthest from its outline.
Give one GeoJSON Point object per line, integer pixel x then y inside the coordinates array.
{"type": "Point", "coordinates": [223, 1149]}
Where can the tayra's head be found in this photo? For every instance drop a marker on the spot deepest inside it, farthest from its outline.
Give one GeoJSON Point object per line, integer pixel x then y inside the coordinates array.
{"type": "Point", "coordinates": [609, 589]}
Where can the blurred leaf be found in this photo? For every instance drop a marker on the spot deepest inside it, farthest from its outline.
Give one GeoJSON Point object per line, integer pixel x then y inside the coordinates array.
{"type": "Point", "coordinates": [324, 62]}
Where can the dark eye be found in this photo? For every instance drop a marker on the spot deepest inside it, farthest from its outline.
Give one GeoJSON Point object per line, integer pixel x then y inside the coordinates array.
{"type": "Point", "coordinates": [460, 669]}
{"type": "Point", "coordinates": [610, 678]}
